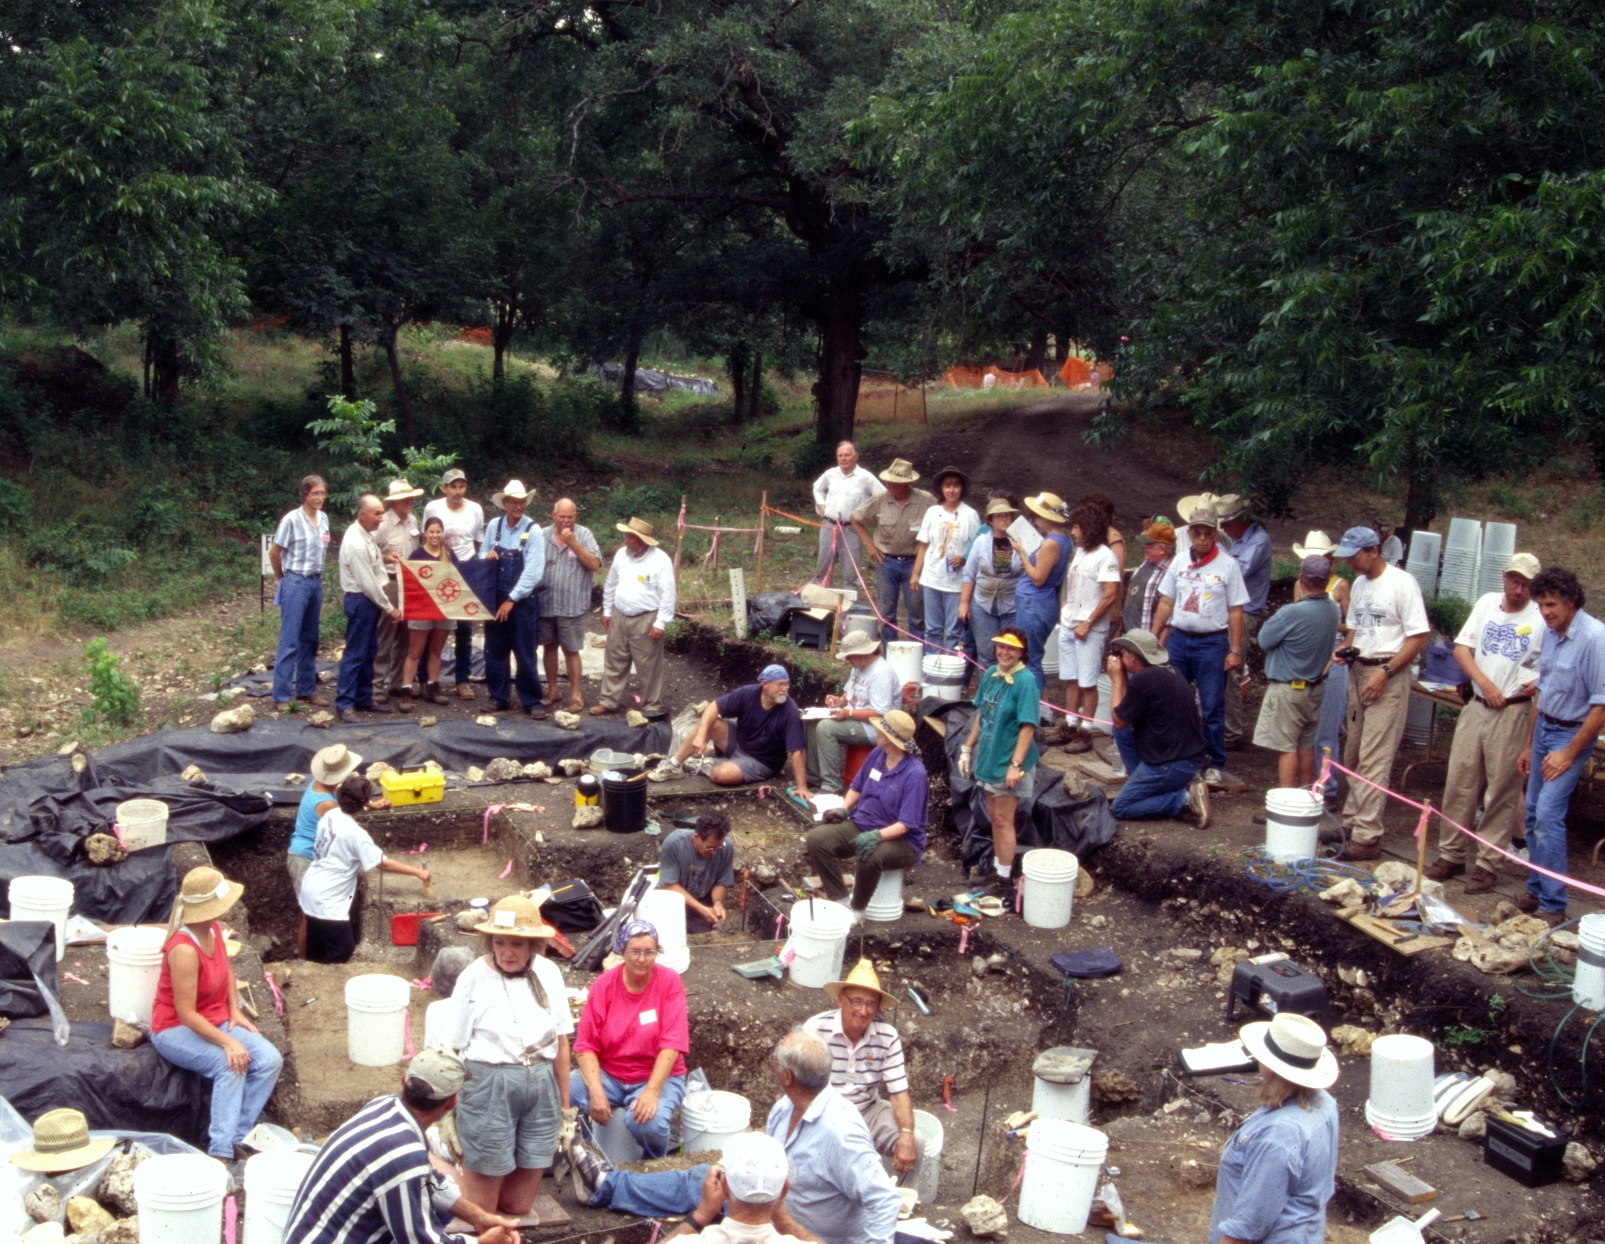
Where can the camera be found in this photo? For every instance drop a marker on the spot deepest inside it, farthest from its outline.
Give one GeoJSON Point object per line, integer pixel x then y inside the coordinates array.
{"type": "Point", "coordinates": [1347, 654]}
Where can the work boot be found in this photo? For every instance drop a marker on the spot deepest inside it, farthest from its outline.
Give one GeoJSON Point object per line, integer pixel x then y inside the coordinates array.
{"type": "Point", "coordinates": [1526, 902]}
{"type": "Point", "coordinates": [403, 699]}
{"type": "Point", "coordinates": [1551, 918]}
{"type": "Point", "coordinates": [538, 713]}
{"type": "Point", "coordinates": [1078, 742]}
{"type": "Point", "coordinates": [1358, 851]}
{"type": "Point", "coordinates": [321, 701]}
{"type": "Point", "coordinates": [432, 693]}
{"type": "Point", "coordinates": [464, 691]}
{"type": "Point", "coordinates": [1198, 801]}
{"type": "Point", "coordinates": [590, 1167]}
{"type": "Point", "coordinates": [1480, 881]}
{"type": "Point", "coordinates": [1442, 868]}
{"type": "Point", "coordinates": [373, 706]}
{"type": "Point", "coordinates": [348, 716]}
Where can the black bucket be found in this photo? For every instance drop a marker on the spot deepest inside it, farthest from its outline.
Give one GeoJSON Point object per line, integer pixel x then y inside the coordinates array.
{"type": "Point", "coordinates": [624, 803]}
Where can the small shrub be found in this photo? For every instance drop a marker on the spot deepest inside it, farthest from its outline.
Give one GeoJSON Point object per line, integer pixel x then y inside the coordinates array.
{"type": "Point", "coordinates": [1447, 614]}
{"type": "Point", "coordinates": [812, 457]}
{"type": "Point", "coordinates": [16, 508]}
{"type": "Point", "coordinates": [86, 550]}
{"type": "Point", "coordinates": [624, 503]}
{"type": "Point", "coordinates": [115, 696]}
{"type": "Point", "coordinates": [1510, 503]}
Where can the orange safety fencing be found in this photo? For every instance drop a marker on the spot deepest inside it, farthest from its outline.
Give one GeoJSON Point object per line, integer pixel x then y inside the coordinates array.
{"type": "Point", "coordinates": [882, 399]}
{"type": "Point", "coordinates": [993, 378]}
{"type": "Point", "coordinates": [1080, 374]}
{"type": "Point", "coordinates": [477, 336]}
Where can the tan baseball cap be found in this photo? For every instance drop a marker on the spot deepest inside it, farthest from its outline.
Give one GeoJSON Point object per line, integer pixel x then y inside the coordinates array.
{"type": "Point", "coordinates": [1524, 564]}
{"type": "Point", "coordinates": [440, 1069]}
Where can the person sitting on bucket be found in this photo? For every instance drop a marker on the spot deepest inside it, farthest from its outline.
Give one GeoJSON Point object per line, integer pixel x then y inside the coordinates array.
{"type": "Point", "coordinates": [754, 730]}
{"type": "Point", "coordinates": [865, 1054]}
{"type": "Point", "coordinates": [882, 821]}
{"type": "Point", "coordinates": [872, 690]}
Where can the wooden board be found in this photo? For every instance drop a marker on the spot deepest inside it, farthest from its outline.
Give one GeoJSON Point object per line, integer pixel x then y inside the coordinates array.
{"type": "Point", "coordinates": [1400, 941]}
{"type": "Point", "coordinates": [1401, 1182]}
{"type": "Point", "coordinates": [546, 1215]}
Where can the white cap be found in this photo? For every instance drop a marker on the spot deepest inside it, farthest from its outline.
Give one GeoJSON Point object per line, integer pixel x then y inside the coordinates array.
{"type": "Point", "coordinates": [755, 1167]}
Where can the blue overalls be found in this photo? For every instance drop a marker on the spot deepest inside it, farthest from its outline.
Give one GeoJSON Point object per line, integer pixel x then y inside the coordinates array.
{"type": "Point", "coordinates": [518, 636]}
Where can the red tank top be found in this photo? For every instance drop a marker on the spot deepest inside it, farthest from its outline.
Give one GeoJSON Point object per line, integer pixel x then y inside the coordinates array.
{"type": "Point", "coordinates": [211, 987]}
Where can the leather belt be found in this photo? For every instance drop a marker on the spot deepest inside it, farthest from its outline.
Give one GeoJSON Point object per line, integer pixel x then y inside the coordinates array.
{"type": "Point", "coordinates": [1520, 699]}
{"type": "Point", "coordinates": [1556, 721]}
{"type": "Point", "coordinates": [1373, 660]}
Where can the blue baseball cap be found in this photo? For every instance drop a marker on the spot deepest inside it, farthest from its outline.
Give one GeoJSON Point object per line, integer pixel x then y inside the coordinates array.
{"type": "Point", "coordinates": [1355, 539]}
{"type": "Point", "coordinates": [774, 673]}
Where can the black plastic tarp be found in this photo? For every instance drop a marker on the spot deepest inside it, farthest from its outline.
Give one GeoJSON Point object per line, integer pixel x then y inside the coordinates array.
{"type": "Point", "coordinates": [114, 1088]}
{"type": "Point", "coordinates": [767, 611]}
{"type": "Point", "coordinates": [260, 685]}
{"type": "Point", "coordinates": [1052, 817]}
{"type": "Point", "coordinates": [27, 968]}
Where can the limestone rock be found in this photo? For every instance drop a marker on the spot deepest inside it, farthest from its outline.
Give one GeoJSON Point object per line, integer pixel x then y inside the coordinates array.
{"type": "Point", "coordinates": [565, 720]}
{"type": "Point", "coordinates": [103, 849]}
{"type": "Point", "coordinates": [192, 773]}
{"type": "Point", "coordinates": [234, 720]}
{"type": "Point", "coordinates": [475, 774]}
{"type": "Point", "coordinates": [503, 769]}
{"type": "Point", "coordinates": [540, 770]}
{"type": "Point", "coordinates": [43, 1203]}
{"type": "Point", "coordinates": [322, 719]}
{"type": "Point", "coordinates": [1110, 1086]}
{"type": "Point", "coordinates": [123, 1231]}
{"type": "Point", "coordinates": [485, 719]}
{"type": "Point", "coordinates": [377, 770]}
{"type": "Point", "coordinates": [1185, 954]}
{"type": "Point", "coordinates": [294, 779]}
{"type": "Point", "coordinates": [1504, 909]}
{"type": "Point", "coordinates": [1393, 877]}
{"type": "Point", "coordinates": [1086, 884]}
{"type": "Point", "coordinates": [1098, 921]}
{"type": "Point", "coordinates": [1504, 1083]}
{"type": "Point", "coordinates": [426, 722]}
{"type": "Point", "coordinates": [466, 920]}
{"type": "Point", "coordinates": [1227, 954]}
{"type": "Point", "coordinates": [571, 767]}
{"type": "Point", "coordinates": [1474, 1127]}
{"type": "Point", "coordinates": [1577, 1163]}
{"type": "Point", "coordinates": [1346, 893]}
{"type": "Point", "coordinates": [126, 1036]}
{"type": "Point", "coordinates": [80, 762]}
{"type": "Point", "coordinates": [259, 668]}
{"type": "Point", "coordinates": [1489, 957]}
{"type": "Point", "coordinates": [1518, 931]}
{"type": "Point", "coordinates": [764, 875]}
{"type": "Point", "coordinates": [326, 676]}
{"type": "Point", "coordinates": [67, 749]}
{"type": "Point", "coordinates": [1353, 1040]}
{"type": "Point", "coordinates": [117, 1185]}
{"type": "Point", "coordinates": [985, 1218]}
{"type": "Point", "coordinates": [588, 817]}
{"type": "Point", "coordinates": [87, 1216]}
{"type": "Point", "coordinates": [44, 1233]}
{"type": "Point", "coordinates": [635, 719]}
{"type": "Point", "coordinates": [1197, 1175]}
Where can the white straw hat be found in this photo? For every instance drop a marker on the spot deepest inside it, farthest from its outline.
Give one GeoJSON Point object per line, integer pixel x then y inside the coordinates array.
{"type": "Point", "coordinates": [1294, 1047]}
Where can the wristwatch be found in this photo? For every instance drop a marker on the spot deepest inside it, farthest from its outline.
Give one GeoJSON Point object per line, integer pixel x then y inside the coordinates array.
{"type": "Point", "coordinates": [1388, 671]}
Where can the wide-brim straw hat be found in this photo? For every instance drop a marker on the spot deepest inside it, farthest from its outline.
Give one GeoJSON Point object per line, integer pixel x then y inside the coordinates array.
{"type": "Point", "coordinates": [206, 894]}
{"type": "Point", "coordinates": [999, 505]}
{"type": "Point", "coordinates": [945, 472]}
{"type": "Point", "coordinates": [896, 725]}
{"type": "Point", "coordinates": [516, 916]}
{"type": "Point", "coordinates": [863, 976]}
{"type": "Point", "coordinates": [1202, 516]}
{"type": "Point", "coordinates": [61, 1142]}
{"type": "Point", "coordinates": [1316, 544]}
{"type": "Point", "coordinates": [858, 644]}
{"type": "Point", "coordinates": [515, 491]}
{"type": "Point", "coordinates": [1294, 1047]}
{"type": "Point", "coordinates": [1048, 505]}
{"type": "Point", "coordinates": [400, 490]}
{"type": "Point", "coordinates": [900, 472]}
{"type": "Point", "coordinates": [334, 764]}
{"type": "Point", "coordinates": [639, 527]}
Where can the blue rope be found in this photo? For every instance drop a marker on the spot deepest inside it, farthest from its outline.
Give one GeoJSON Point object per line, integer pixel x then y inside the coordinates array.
{"type": "Point", "coordinates": [1314, 875]}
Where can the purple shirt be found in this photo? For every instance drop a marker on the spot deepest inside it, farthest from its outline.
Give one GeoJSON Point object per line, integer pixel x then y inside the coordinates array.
{"type": "Point", "coordinates": [766, 734]}
{"type": "Point", "coordinates": [887, 797]}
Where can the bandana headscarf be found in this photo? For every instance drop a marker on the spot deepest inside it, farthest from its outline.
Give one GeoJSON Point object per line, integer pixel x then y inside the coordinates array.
{"type": "Point", "coordinates": [634, 928]}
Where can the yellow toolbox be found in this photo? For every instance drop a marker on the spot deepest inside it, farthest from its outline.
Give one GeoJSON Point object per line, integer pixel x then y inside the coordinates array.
{"type": "Point", "coordinates": [414, 786]}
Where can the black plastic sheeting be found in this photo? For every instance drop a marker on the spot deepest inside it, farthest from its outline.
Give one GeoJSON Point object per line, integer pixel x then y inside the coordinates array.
{"type": "Point", "coordinates": [114, 1088]}
{"type": "Point", "coordinates": [1050, 818]}
{"type": "Point", "coordinates": [768, 611]}
{"type": "Point", "coordinates": [258, 686]}
{"type": "Point", "coordinates": [28, 984]}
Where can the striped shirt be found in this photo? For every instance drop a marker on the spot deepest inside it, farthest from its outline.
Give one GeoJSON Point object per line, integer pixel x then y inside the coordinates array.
{"type": "Point", "coordinates": [566, 591]}
{"type": "Point", "coordinates": [371, 1183]}
{"type": "Point", "coordinates": [304, 544]}
{"type": "Point", "coordinates": [858, 1071]}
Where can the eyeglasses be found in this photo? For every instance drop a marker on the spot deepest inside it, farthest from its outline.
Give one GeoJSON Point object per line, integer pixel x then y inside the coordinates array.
{"type": "Point", "coordinates": [639, 953]}
{"type": "Point", "coordinates": [862, 1004]}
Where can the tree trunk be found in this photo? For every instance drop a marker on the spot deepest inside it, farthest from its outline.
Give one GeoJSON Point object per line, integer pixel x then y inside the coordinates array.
{"type": "Point", "coordinates": [737, 365]}
{"type": "Point", "coordinates": [403, 398]}
{"type": "Point", "coordinates": [1038, 353]}
{"type": "Point", "coordinates": [166, 369]}
{"type": "Point", "coordinates": [1421, 498]}
{"type": "Point", "coordinates": [627, 403]}
{"type": "Point", "coordinates": [502, 337]}
{"type": "Point", "coordinates": [1061, 347]}
{"type": "Point", "coordinates": [348, 377]}
{"type": "Point", "coordinates": [755, 390]}
{"type": "Point", "coordinates": [841, 356]}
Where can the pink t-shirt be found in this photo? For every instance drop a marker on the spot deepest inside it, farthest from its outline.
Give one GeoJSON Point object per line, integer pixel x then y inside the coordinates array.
{"type": "Point", "coordinates": [626, 1031]}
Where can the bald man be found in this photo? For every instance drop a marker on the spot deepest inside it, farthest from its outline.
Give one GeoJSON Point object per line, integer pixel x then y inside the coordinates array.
{"type": "Point", "coordinates": [362, 580]}
{"type": "Point", "coordinates": [572, 559]}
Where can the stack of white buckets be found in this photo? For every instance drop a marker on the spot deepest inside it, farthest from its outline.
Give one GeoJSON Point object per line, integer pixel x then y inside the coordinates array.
{"type": "Point", "coordinates": [665, 910]}
{"type": "Point", "coordinates": [907, 657]}
{"type": "Point", "coordinates": [1401, 1100]}
{"type": "Point", "coordinates": [886, 904]}
{"type": "Point", "coordinates": [1062, 1161]}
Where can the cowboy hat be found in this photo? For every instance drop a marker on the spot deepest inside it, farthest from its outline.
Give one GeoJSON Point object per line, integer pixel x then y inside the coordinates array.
{"type": "Point", "coordinates": [515, 491]}
{"type": "Point", "coordinates": [638, 527]}
{"type": "Point", "coordinates": [863, 976]}
{"type": "Point", "coordinates": [1316, 544]}
{"type": "Point", "coordinates": [1294, 1047]}
{"type": "Point", "coordinates": [516, 916]}
{"type": "Point", "coordinates": [400, 490]}
{"type": "Point", "coordinates": [1143, 644]}
{"type": "Point", "coordinates": [897, 726]}
{"type": "Point", "coordinates": [1230, 505]}
{"type": "Point", "coordinates": [999, 505]}
{"type": "Point", "coordinates": [858, 644]}
{"type": "Point", "coordinates": [334, 764]}
{"type": "Point", "coordinates": [900, 472]}
{"type": "Point", "coordinates": [1049, 506]}
{"type": "Point", "coordinates": [61, 1143]}
{"type": "Point", "coordinates": [205, 895]}
{"type": "Point", "coordinates": [1202, 516]}
{"type": "Point", "coordinates": [963, 479]}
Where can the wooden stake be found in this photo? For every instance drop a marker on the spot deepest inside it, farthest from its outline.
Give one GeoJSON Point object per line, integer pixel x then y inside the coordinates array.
{"type": "Point", "coordinates": [763, 530]}
{"type": "Point", "coordinates": [718, 521]}
{"type": "Point", "coordinates": [1421, 849]}
{"type": "Point", "coordinates": [679, 543]}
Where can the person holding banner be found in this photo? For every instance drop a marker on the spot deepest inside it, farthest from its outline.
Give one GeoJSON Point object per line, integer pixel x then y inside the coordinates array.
{"type": "Point", "coordinates": [465, 528]}
{"type": "Point", "coordinates": [515, 544]}
{"type": "Point", "coordinates": [426, 635]}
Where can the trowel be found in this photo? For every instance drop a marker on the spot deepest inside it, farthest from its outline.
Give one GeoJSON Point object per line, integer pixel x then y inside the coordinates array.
{"type": "Point", "coordinates": [753, 969]}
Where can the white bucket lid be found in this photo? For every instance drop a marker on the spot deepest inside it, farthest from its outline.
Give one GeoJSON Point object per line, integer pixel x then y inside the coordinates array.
{"type": "Point", "coordinates": [179, 1181]}
{"type": "Point", "coordinates": [141, 810]}
{"type": "Point", "coordinates": [40, 889]}
{"type": "Point", "coordinates": [1401, 1047]}
{"type": "Point", "coordinates": [820, 919]}
{"type": "Point", "coordinates": [140, 945]}
{"type": "Point", "coordinates": [377, 992]}
{"type": "Point", "coordinates": [1294, 800]}
{"type": "Point", "coordinates": [1067, 1141]}
{"type": "Point", "coordinates": [1049, 864]}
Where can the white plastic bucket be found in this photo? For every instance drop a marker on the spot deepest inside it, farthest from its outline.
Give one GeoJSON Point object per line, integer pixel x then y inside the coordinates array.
{"type": "Point", "coordinates": [665, 909]}
{"type": "Point", "coordinates": [711, 1117]}
{"type": "Point", "coordinates": [376, 1009]}
{"type": "Point", "coordinates": [886, 904]}
{"type": "Point", "coordinates": [1050, 654]}
{"type": "Point", "coordinates": [615, 1140]}
{"type": "Point", "coordinates": [1062, 1101]}
{"type": "Point", "coordinates": [143, 823]}
{"type": "Point", "coordinates": [43, 898]}
{"type": "Point", "coordinates": [1292, 824]}
{"type": "Point", "coordinates": [906, 656]}
{"type": "Point", "coordinates": [1062, 1161]}
{"type": "Point", "coordinates": [930, 1133]}
{"type": "Point", "coordinates": [271, 1182]}
{"type": "Point", "coordinates": [1050, 887]}
{"type": "Point", "coordinates": [944, 677]}
{"type": "Point", "coordinates": [1402, 1072]}
{"type": "Point", "coordinates": [817, 942]}
{"type": "Point", "coordinates": [135, 958]}
{"type": "Point", "coordinates": [1588, 982]}
{"type": "Point", "coordinates": [180, 1199]}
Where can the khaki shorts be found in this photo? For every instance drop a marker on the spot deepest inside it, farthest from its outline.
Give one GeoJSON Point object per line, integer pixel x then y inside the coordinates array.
{"type": "Point", "coordinates": [507, 1117]}
{"type": "Point", "coordinates": [567, 633]}
{"type": "Point", "coordinates": [1288, 717]}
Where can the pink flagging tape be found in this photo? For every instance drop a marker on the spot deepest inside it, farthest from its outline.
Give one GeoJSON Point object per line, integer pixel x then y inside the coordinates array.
{"type": "Point", "coordinates": [484, 839]}
{"type": "Point", "coordinates": [1328, 764]}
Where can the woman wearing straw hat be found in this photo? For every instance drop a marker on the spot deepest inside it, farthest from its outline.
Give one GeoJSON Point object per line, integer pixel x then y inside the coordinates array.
{"type": "Point", "coordinates": [509, 1020]}
{"type": "Point", "coordinates": [1329, 729]}
{"type": "Point", "coordinates": [1000, 751]}
{"type": "Point", "coordinates": [944, 538]}
{"type": "Point", "coordinates": [1279, 1169]}
{"type": "Point", "coordinates": [196, 1022]}
{"type": "Point", "coordinates": [1036, 600]}
{"type": "Point", "coordinates": [515, 544]}
{"type": "Point", "coordinates": [991, 574]}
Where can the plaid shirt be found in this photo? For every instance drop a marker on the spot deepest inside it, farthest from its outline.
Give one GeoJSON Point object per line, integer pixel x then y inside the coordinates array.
{"type": "Point", "coordinates": [1144, 619]}
{"type": "Point", "coordinates": [304, 543]}
{"type": "Point", "coordinates": [566, 591]}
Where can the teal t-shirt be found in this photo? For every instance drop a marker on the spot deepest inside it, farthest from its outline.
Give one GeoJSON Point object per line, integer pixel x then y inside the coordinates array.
{"type": "Point", "coordinates": [1004, 707]}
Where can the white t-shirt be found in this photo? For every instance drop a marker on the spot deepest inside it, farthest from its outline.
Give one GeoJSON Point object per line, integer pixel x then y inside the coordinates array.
{"type": "Point", "coordinates": [1504, 645]}
{"type": "Point", "coordinates": [464, 528]}
{"type": "Point", "coordinates": [1083, 587]}
{"type": "Point", "coordinates": [1204, 595]}
{"type": "Point", "coordinates": [496, 1019]}
{"type": "Point", "coordinates": [1386, 611]}
{"type": "Point", "coordinates": [341, 851]}
{"type": "Point", "coordinates": [946, 535]}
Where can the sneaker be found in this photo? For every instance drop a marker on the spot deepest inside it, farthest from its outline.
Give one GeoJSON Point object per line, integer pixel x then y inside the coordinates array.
{"type": "Point", "coordinates": [696, 766]}
{"type": "Point", "coordinates": [854, 917]}
{"type": "Point", "coordinates": [1214, 777]}
{"type": "Point", "coordinates": [1442, 868]}
{"type": "Point", "coordinates": [1480, 881]}
{"type": "Point", "coordinates": [668, 770]}
{"type": "Point", "coordinates": [1198, 801]}
{"type": "Point", "coordinates": [1220, 779]}
{"type": "Point", "coordinates": [590, 1167]}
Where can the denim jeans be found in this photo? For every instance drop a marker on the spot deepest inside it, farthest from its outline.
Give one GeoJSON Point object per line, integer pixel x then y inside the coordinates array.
{"type": "Point", "coordinates": [983, 626]}
{"type": "Point", "coordinates": [659, 1194]}
{"type": "Point", "coordinates": [362, 645]}
{"type": "Point", "coordinates": [514, 641]}
{"type": "Point", "coordinates": [942, 626]}
{"type": "Point", "coordinates": [1201, 660]}
{"type": "Point", "coordinates": [1150, 790]}
{"type": "Point", "coordinates": [652, 1136]}
{"type": "Point", "coordinates": [236, 1099]}
{"type": "Point", "coordinates": [463, 651]}
{"type": "Point", "coordinates": [1547, 803]}
{"type": "Point", "coordinates": [892, 579]}
{"type": "Point", "coordinates": [1036, 616]}
{"type": "Point", "coordinates": [295, 667]}
{"type": "Point", "coordinates": [1329, 730]}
